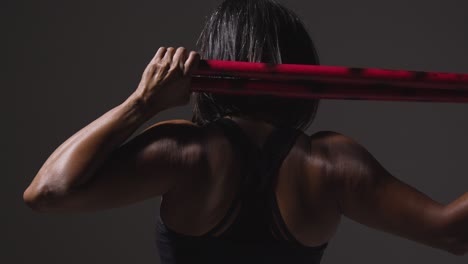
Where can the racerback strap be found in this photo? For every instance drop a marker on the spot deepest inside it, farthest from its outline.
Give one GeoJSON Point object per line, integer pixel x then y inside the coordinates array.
{"type": "Point", "coordinates": [259, 164]}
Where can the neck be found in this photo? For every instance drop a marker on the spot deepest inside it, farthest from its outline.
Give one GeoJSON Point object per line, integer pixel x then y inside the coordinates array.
{"type": "Point", "coordinates": [250, 121]}
{"type": "Point", "coordinates": [256, 129]}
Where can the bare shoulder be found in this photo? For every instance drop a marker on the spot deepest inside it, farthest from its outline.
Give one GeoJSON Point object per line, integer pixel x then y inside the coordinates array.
{"type": "Point", "coordinates": [178, 130]}
{"type": "Point", "coordinates": [175, 124]}
{"type": "Point", "coordinates": [328, 147]}
{"type": "Point", "coordinates": [329, 137]}
{"type": "Point", "coordinates": [341, 162]}
{"type": "Point", "coordinates": [368, 193]}
{"type": "Point", "coordinates": [179, 140]}
{"type": "Point", "coordinates": [319, 153]}
{"type": "Point", "coordinates": [337, 149]}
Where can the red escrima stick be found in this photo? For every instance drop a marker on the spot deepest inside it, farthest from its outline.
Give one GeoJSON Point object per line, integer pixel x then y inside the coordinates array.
{"type": "Point", "coordinates": [328, 82]}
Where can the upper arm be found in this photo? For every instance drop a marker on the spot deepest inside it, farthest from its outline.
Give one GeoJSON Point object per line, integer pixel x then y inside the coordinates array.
{"type": "Point", "coordinates": [146, 166]}
{"type": "Point", "coordinates": [367, 193]}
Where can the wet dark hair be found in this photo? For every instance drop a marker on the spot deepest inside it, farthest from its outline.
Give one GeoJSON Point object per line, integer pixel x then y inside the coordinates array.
{"type": "Point", "coordinates": [256, 31]}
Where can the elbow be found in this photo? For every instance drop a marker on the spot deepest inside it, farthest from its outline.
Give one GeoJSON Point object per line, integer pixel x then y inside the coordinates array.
{"type": "Point", "coordinates": [32, 199]}
{"type": "Point", "coordinates": [37, 200]}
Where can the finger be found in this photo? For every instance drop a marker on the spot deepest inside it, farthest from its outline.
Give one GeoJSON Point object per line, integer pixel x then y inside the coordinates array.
{"type": "Point", "coordinates": [179, 58]}
{"type": "Point", "coordinates": [168, 56]}
{"type": "Point", "coordinates": [159, 54]}
{"type": "Point", "coordinates": [192, 63]}
{"type": "Point", "coordinates": [151, 68]}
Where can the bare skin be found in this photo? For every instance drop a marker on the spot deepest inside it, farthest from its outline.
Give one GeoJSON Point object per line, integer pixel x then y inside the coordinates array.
{"type": "Point", "coordinates": [325, 176]}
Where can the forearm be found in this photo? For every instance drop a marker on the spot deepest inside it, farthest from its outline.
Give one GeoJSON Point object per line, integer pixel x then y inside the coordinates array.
{"type": "Point", "coordinates": [75, 161]}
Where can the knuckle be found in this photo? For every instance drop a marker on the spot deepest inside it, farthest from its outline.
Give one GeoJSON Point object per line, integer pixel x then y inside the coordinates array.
{"type": "Point", "coordinates": [173, 70]}
{"type": "Point", "coordinates": [149, 69]}
{"type": "Point", "coordinates": [164, 64]}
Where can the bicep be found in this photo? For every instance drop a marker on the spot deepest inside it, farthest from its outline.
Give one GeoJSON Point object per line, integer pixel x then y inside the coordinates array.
{"type": "Point", "coordinates": [367, 193]}
{"type": "Point", "coordinates": [147, 166]}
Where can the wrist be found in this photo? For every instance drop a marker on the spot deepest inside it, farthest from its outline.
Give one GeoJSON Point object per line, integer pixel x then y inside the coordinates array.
{"type": "Point", "coordinates": [139, 109]}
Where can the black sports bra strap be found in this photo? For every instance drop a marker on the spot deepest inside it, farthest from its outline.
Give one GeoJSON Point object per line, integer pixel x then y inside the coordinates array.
{"type": "Point", "coordinates": [274, 152]}
{"type": "Point", "coordinates": [264, 161]}
{"type": "Point", "coordinates": [234, 132]}
{"type": "Point", "coordinates": [245, 149]}
{"type": "Point", "coordinates": [259, 170]}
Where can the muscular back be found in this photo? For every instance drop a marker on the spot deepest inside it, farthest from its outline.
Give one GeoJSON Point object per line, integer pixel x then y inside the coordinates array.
{"type": "Point", "coordinates": [324, 176]}
{"type": "Point", "coordinates": [302, 190]}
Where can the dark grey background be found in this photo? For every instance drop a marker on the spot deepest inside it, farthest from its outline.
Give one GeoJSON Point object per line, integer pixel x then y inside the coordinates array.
{"type": "Point", "coordinates": [68, 62]}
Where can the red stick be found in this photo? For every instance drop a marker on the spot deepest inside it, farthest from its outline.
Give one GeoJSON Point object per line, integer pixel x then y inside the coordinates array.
{"type": "Point", "coordinates": [328, 82]}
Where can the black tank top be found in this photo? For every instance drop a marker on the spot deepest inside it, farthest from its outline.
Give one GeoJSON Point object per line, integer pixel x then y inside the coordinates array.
{"type": "Point", "coordinates": [254, 236]}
